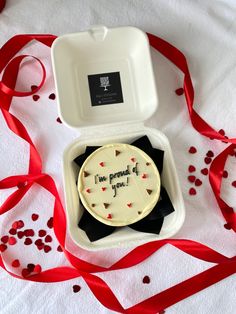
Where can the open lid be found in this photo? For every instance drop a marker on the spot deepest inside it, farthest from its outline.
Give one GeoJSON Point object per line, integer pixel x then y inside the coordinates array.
{"type": "Point", "coordinates": [103, 76]}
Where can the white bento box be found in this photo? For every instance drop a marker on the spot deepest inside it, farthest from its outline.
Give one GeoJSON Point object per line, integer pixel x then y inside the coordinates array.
{"type": "Point", "coordinates": [122, 53]}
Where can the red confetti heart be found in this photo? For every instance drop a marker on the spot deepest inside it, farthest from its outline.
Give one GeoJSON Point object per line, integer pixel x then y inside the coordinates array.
{"type": "Point", "coordinates": [129, 205]}
{"type": "Point", "coordinates": [15, 263]}
{"type": "Point", "coordinates": [59, 120]}
{"type": "Point", "coordinates": [12, 231]}
{"type": "Point", "coordinates": [228, 226]}
{"type": "Point", "coordinates": [52, 96]}
{"type": "Point", "coordinates": [48, 238]}
{"type": "Point", "coordinates": [22, 184]}
{"type": "Point", "coordinates": [12, 241]}
{"type": "Point", "coordinates": [225, 174]}
{"type": "Point", "coordinates": [25, 272]}
{"type": "Point", "coordinates": [109, 216]}
{"type": "Point", "coordinates": [76, 288]}
{"type": "Point", "coordinates": [15, 225]}
{"type": "Point", "coordinates": [20, 224]}
{"type": "Point", "coordinates": [34, 217]}
{"type": "Point", "coordinates": [210, 153]}
{"type": "Point", "coordinates": [207, 160]}
{"type": "Point", "coordinates": [42, 233]}
{"type": "Point", "coordinates": [37, 269]}
{"type": "Point", "coordinates": [191, 178]}
{"type": "Point", "coordinates": [3, 247]}
{"type": "Point", "coordinates": [28, 241]}
{"type": "Point", "coordinates": [204, 171]}
{"type": "Point", "coordinates": [29, 232]}
{"type": "Point", "coordinates": [192, 150]}
{"type": "Point", "coordinates": [198, 182]}
{"type": "Point", "coordinates": [104, 189]}
{"type": "Point", "coordinates": [40, 247]}
{"type": "Point", "coordinates": [234, 184]}
{"type": "Point", "coordinates": [34, 87]}
{"type": "Point", "coordinates": [47, 248]}
{"type": "Point", "coordinates": [101, 164]}
{"type": "Point", "coordinates": [38, 242]}
{"type": "Point", "coordinates": [191, 168]}
{"type": "Point", "coordinates": [132, 159]}
{"type": "Point", "coordinates": [31, 267]}
{"type": "Point", "coordinates": [192, 191]}
{"type": "Point", "coordinates": [179, 91]}
{"type": "Point", "coordinates": [146, 280]}
{"type": "Point", "coordinates": [88, 190]}
{"type": "Point", "coordinates": [144, 176]}
{"type": "Point", "coordinates": [222, 132]}
{"type": "Point", "coordinates": [36, 97]}
{"type": "Point", "coordinates": [4, 239]}
{"type": "Point", "coordinates": [20, 234]}
{"type": "Point", "coordinates": [50, 223]}
{"type": "Point", "coordinates": [59, 249]}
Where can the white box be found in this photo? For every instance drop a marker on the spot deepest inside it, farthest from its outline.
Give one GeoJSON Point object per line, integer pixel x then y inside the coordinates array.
{"type": "Point", "coordinates": [124, 51]}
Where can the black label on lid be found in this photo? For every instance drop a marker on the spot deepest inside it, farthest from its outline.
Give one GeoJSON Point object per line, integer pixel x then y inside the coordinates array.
{"type": "Point", "coordinates": [105, 89]}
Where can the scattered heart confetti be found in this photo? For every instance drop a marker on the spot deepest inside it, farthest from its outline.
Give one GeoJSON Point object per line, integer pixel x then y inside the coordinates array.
{"type": "Point", "coordinates": [50, 223]}
{"type": "Point", "coordinates": [30, 267]}
{"type": "Point", "coordinates": [101, 164]}
{"type": "Point", "coordinates": [42, 233]}
{"type": "Point", "coordinates": [29, 232]}
{"type": "Point", "coordinates": [38, 242]}
{"type": "Point", "coordinates": [59, 120]}
{"type": "Point", "coordinates": [37, 269]}
{"type": "Point", "coordinates": [228, 226]}
{"type": "Point", "coordinates": [22, 184]}
{"type": "Point", "coordinates": [204, 171]}
{"type": "Point", "coordinates": [210, 153]}
{"type": "Point", "coordinates": [192, 191]}
{"type": "Point", "coordinates": [191, 179]}
{"type": "Point", "coordinates": [109, 216]}
{"type": "Point", "coordinates": [192, 150]}
{"type": "Point", "coordinates": [132, 159]}
{"type": "Point", "coordinates": [207, 160]}
{"type": "Point", "coordinates": [88, 190]}
{"type": "Point", "coordinates": [12, 241]}
{"type": "Point", "coordinates": [52, 96]}
{"type": "Point", "coordinates": [225, 174]}
{"type": "Point", "coordinates": [144, 176]}
{"type": "Point", "coordinates": [129, 205]}
{"type": "Point", "coordinates": [146, 280]}
{"type": "Point", "coordinates": [191, 168]}
{"type": "Point", "coordinates": [104, 189]}
{"type": "Point", "coordinates": [59, 249]}
{"type": "Point", "coordinates": [34, 87]}
{"type": "Point", "coordinates": [34, 217]}
{"type": "Point", "coordinates": [76, 288]}
{"type": "Point", "coordinates": [222, 132]}
{"type": "Point", "coordinates": [25, 272]}
{"type": "Point", "coordinates": [179, 91]}
{"type": "Point", "coordinates": [234, 184]}
{"type": "Point", "coordinates": [48, 238]}
{"type": "Point", "coordinates": [3, 247]}
{"type": "Point", "coordinates": [36, 97]}
{"type": "Point", "coordinates": [28, 241]}
{"type": "Point", "coordinates": [4, 239]}
{"type": "Point", "coordinates": [20, 234]}
{"type": "Point", "coordinates": [47, 248]}
{"type": "Point", "coordinates": [198, 182]}
{"type": "Point", "coordinates": [12, 231]}
{"type": "Point", "coordinates": [20, 224]}
{"type": "Point", "coordinates": [15, 263]}
{"type": "Point", "coordinates": [15, 225]}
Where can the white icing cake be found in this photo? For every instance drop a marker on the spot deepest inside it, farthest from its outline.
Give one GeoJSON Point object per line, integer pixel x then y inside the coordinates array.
{"type": "Point", "coordinates": [119, 184]}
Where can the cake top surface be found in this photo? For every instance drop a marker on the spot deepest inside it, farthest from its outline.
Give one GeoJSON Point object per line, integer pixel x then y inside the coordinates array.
{"type": "Point", "coordinates": [119, 184]}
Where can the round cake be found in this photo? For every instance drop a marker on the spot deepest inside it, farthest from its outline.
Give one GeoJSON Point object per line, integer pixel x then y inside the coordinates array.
{"type": "Point", "coordinates": [119, 184]}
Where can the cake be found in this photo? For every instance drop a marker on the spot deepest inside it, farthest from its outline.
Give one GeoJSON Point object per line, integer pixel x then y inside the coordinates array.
{"type": "Point", "coordinates": [119, 184]}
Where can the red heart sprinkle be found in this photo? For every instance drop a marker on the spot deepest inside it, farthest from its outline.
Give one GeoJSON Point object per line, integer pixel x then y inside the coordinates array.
{"type": "Point", "coordinates": [234, 184]}
{"type": "Point", "coordinates": [15, 263]}
{"type": "Point", "coordinates": [12, 231]}
{"type": "Point", "coordinates": [76, 288]}
{"type": "Point", "coordinates": [207, 160]}
{"type": "Point", "coordinates": [30, 267]}
{"type": "Point", "coordinates": [15, 225]}
{"type": "Point", "coordinates": [34, 87]}
{"type": "Point", "coordinates": [34, 217]}
{"type": "Point", "coordinates": [179, 91]}
{"type": "Point", "coordinates": [37, 269]}
{"type": "Point", "coordinates": [36, 97]}
{"type": "Point", "coordinates": [210, 153]}
{"type": "Point", "coordinates": [3, 247]}
{"type": "Point", "coordinates": [22, 184]}
{"type": "Point", "coordinates": [204, 171]}
{"type": "Point", "coordinates": [48, 238]}
{"type": "Point", "coordinates": [192, 150]}
{"type": "Point", "coordinates": [20, 234]}
{"type": "Point", "coordinates": [20, 224]}
{"type": "Point", "coordinates": [40, 247]}
{"type": "Point", "coordinates": [104, 189]}
{"type": "Point", "coordinates": [198, 182]}
{"type": "Point", "coordinates": [25, 272]}
{"type": "Point", "coordinates": [12, 241]}
{"type": "Point", "coordinates": [146, 279]}
{"type": "Point", "coordinates": [29, 232]}
{"type": "Point", "coordinates": [222, 132]}
{"type": "Point", "coordinates": [28, 241]}
{"type": "Point", "coordinates": [225, 174]}
{"type": "Point", "coordinates": [4, 239]}
{"type": "Point", "coordinates": [191, 168]}
{"type": "Point", "coordinates": [228, 226]}
{"type": "Point", "coordinates": [59, 249]}
{"type": "Point", "coordinates": [191, 178]}
{"type": "Point", "coordinates": [59, 120]}
{"type": "Point", "coordinates": [109, 216]}
{"type": "Point", "coordinates": [52, 96]}
{"type": "Point", "coordinates": [88, 190]}
{"type": "Point", "coordinates": [50, 223]}
{"type": "Point", "coordinates": [192, 191]}
{"type": "Point", "coordinates": [47, 248]}
{"type": "Point", "coordinates": [132, 159]}
{"type": "Point", "coordinates": [144, 176]}
{"type": "Point", "coordinates": [38, 242]}
{"type": "Point", "coordinates": [101, 164]}
{"type": "Point", "coordinates": [42, 233]}
{"type": "Point", "coordinates": [129, 205]}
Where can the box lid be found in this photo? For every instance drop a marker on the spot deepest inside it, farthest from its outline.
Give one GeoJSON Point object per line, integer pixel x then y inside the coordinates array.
{"type": "Point", "coordinates": [104, 76]}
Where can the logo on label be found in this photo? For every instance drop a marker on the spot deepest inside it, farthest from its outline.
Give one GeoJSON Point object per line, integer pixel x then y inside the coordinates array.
{"type": "Point", "coordinates": [104, 81]}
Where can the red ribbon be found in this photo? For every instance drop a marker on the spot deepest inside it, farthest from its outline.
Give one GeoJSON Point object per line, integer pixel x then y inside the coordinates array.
{"type": "Point", "coordinates": [225, 266]}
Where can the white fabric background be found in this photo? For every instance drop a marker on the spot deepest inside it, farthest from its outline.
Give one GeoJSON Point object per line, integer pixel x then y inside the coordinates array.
{"type": "Point", "coordinates": [205, 32]}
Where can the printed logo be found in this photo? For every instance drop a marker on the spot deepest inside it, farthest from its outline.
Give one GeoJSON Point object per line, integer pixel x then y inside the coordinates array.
{"type": "Point", "coordinates": [104, 81]}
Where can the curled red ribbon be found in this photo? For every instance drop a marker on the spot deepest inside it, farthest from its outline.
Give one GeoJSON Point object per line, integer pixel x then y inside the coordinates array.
{"type": "Point", "coordinates": [224, 266]}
